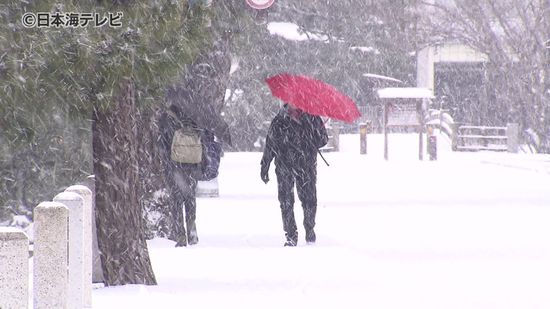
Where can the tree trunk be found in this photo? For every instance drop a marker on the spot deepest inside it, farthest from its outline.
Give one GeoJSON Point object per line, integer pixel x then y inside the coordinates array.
{"type": "Point", "coordinates": [161, 219]}
{"type": "Point", "coordinates": [120, 224]}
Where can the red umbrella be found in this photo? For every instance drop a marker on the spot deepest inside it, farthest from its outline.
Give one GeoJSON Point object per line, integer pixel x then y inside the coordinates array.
{"type": "Point", "coordinates": [313, 96]}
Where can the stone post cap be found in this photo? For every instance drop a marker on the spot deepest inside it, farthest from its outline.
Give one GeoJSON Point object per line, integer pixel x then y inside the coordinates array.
{"type": "Point", "coordinates": [79, 188]}
{"type": "Point", "coordinates": [8, 233]}
{"type": "Point", "coordinates": [53, 207]}
{"type": "Point", "coordinates": [68, 196]}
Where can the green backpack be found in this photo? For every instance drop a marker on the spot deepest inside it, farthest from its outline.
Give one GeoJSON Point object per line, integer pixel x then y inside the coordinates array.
{"type": "Point", "coordinates": [186, 146]}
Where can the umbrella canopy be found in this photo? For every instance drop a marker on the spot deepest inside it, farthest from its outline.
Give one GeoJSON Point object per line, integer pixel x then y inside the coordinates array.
{"type": "Point", "coordinates": [313, 96]}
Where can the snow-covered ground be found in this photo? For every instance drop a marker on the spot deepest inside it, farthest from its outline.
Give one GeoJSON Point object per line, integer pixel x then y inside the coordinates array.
{"type": "Point", "coordinates": [470, 230]}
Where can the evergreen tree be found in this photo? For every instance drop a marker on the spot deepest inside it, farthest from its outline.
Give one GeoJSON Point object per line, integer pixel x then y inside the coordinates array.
{"type": "Point", "coordinates": [105, 74]}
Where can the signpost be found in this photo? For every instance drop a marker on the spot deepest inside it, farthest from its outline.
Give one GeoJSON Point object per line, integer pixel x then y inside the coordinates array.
{"type": "Point", "coordinates": [404, 107]}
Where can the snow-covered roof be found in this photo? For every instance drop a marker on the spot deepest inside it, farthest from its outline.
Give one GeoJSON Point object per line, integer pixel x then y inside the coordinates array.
{"type": "Point", "coordinates": [405, 93]}
{"type": "Point", "coordinates": [382, 77]}
{"type": "Point", "coordinates": [290, 31]}
{"type": "Point", "coordinates": [366, 49]}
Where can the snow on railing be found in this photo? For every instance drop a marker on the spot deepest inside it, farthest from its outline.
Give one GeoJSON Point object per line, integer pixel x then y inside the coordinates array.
{"type": "Point", "coordinates": [441, 120]}
{"type": "Point", "coordinates": [62, 255]}
{"type": "Point", "coordinates": [475, 138]}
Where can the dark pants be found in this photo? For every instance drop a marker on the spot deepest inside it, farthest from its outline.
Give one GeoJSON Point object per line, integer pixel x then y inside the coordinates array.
{"type": "Point", "coordinates": [183, 188]}
{"type": "Point", "coordinates": [305, 179]}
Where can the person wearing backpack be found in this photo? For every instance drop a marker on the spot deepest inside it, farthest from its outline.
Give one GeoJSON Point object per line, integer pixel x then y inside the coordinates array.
{"type": "Point", "coordinates": [190, 154]}
{"type": "Point", "coordinates": [293, 140]}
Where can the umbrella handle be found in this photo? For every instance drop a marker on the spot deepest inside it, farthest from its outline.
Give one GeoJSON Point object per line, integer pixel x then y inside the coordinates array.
{"type": "Point", "coordinates": [319, 151]}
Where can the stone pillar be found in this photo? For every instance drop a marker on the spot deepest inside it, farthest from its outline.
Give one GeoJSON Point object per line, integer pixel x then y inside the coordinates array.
{"type": "Point", "coordinates": [363, 138]}
{"type": "Point", "coordinates": [425, 57]}
{"type": "Point", "coordinates": [512, 133]}
{"type": "Point", "coordinates": [431, 142]}
{"type": "Point", "coordinates": [336, 137]}
{"type": "Point", "coordinates": [425, 73]}
{"type": "Point", "coordinates": [90, 248]}
{"type": "Point", "coordinates": [75, 203]}
{"type": "Point", "coordinates": [14, 268]}
{"type": "Point", "coordinates": [454, 136]}
{"type": "Point", "coordinates": [50, 255]}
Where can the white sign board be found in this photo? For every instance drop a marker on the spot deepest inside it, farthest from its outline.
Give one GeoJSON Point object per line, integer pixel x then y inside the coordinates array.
{"type": "Point", "coordinates": [405, 93]}
{"type": "Point", "coordinates": [404, 107]}
{"type": "Point", "coordinates": [403, 115]}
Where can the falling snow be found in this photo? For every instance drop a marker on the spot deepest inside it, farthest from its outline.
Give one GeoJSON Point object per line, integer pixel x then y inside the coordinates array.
{"type": "Point", "coordinates": [83, 105]}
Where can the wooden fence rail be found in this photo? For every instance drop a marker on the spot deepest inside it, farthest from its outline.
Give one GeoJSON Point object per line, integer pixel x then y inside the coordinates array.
{"type": "Point", "coordinates": [476, 138]}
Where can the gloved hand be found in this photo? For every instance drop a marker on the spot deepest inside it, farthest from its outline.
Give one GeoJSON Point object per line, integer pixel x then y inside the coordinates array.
{"type": "Point", "coordinates": [264, 173]}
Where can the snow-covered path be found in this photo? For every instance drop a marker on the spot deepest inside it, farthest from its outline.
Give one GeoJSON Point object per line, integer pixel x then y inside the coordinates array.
{"type": "Point", "coordinates": [471, 230]}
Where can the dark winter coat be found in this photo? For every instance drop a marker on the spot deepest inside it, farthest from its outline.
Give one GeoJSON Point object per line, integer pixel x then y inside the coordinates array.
{"type": "Point", "coordinates": [294, 144]}
{"type": "Point", "coordinates": [169, 122]}
{"type": "Point", "coordinates": [181, 178]}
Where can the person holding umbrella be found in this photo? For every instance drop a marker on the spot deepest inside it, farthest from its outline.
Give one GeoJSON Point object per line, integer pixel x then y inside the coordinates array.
{"type": "Point", "coordinates": [293, 140]}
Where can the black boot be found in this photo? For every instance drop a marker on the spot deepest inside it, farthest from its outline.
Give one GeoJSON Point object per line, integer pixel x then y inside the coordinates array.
{"type": "Point", "coordinates": [190, 216]}
{"type": "Point", "coordinates": [192, 236]}
{"type": "Point", "coordinates": [310, 236]}
{"type": "Point", "coordinates": [181, 241]}
{"type": "Point", "coordinates": [291, 240]}
{"type": "Point", "coordinates": [289, 225]}
{"type": "Point", "coordinates": [310, 210]}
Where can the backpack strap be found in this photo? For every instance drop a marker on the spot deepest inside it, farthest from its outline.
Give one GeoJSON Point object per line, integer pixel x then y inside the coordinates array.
{"type": "Point", "coordinates": [183, 123]}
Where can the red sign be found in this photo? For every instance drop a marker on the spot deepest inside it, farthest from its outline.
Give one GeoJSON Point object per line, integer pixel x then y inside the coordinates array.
{"type": "Point", "coordinates": [260, 4]}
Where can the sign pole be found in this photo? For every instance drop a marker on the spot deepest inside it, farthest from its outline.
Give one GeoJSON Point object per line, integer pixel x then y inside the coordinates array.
{"type": "Point", "coordinates": [420, 114]}
{"type": "Point", "coordinates": [386, 110]}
